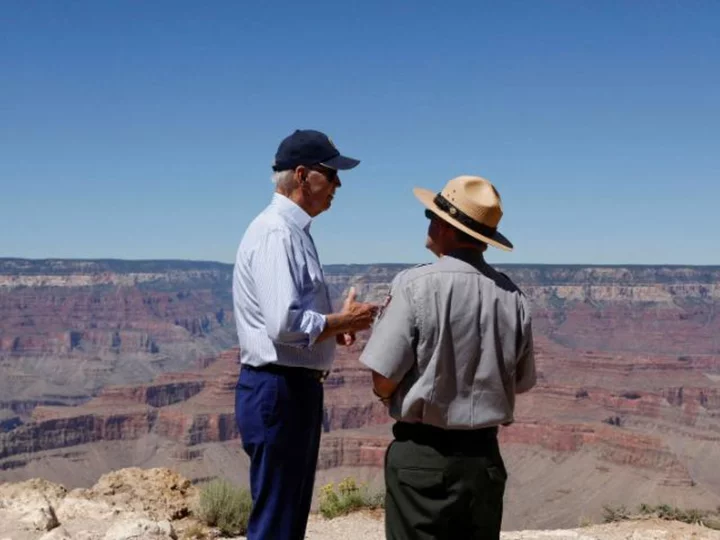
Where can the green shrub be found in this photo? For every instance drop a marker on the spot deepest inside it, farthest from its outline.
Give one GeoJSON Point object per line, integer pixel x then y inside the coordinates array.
{"type": "Point", "coordinates": [226, 507]}
{"type": "Point", "coordinates": [665, 511]}
{"type": "Point", "coordinates": [646, 509]}
{"type": "Point", "coordinates": [612, 514]}
{"type": "Point", "coordinates": [693, 516]}
{"type": "Point", "coordinates": [348, 497]}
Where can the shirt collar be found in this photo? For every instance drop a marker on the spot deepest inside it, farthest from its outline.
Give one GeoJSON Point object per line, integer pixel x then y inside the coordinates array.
{"type": "Point", "coordinates": [471, 256]}
{"type": "Point", "coordinates": [289, 209]}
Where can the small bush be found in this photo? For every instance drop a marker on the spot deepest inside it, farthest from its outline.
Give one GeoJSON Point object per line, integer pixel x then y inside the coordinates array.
{"type": "Point", "coordinates": [693, 516]}
{"type": "Point", "coordinates": [612, 514]}
{"type": "Point", "coordinates": [645, 509]}
{"type": "Point", "coordinates": [226, 507]}
{"type": "Point", "coordinates": [347, 498]}
{"type": "Point", "coordinates": [665, 511]}
{"type": "Point", "coordinates": [375, 500]}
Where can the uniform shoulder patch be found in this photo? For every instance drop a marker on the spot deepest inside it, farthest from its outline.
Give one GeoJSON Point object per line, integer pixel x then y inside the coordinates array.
{"type": "Point", "coordinates": [384, 306]}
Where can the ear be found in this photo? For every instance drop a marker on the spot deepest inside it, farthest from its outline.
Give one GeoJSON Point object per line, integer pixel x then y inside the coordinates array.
{"type": "Point", "coordinates": [301, 173]}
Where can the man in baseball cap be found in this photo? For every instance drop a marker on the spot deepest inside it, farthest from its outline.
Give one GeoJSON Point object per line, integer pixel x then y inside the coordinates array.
{"type": "Point", "coordinates": [287, 333]}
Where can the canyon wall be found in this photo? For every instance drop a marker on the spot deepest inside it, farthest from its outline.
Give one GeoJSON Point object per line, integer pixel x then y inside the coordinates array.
{"type": "Point", "coordinates": [98, 356]}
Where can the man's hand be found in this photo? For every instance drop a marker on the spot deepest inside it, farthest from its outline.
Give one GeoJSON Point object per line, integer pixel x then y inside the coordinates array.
{"type": "Point", "coordinates": [354, 317]}
{"type": "Point", "coordinates": [360, 314]}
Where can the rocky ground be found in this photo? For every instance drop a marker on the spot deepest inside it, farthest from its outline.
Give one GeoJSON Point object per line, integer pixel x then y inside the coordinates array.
{"type": "Point", "coordinates": [158, 504]}
{"type": "Point", "coordinates": [362, 526]}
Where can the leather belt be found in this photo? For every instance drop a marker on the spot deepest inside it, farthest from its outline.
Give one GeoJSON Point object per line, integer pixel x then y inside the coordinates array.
{"type": "Point", "coordinates": [294, 371]}
{"type": "Point", "coordinates": [446, 439]}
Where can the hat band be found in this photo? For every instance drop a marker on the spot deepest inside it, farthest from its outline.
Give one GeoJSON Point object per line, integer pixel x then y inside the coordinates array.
{"type": "Point", "coordinates": [461, 217]}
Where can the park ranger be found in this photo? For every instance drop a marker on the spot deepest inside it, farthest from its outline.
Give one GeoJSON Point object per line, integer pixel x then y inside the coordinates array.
{"type": "Point", "coordinates": [449, 352]}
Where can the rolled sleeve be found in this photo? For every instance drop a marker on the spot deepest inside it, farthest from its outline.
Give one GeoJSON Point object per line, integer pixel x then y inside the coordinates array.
{"type": "Point", "coordinates": [314, 325]}
{"type": "Point", "coordinates": [390, 350]}
{"type": "Point", "coordinates": [279, 293]}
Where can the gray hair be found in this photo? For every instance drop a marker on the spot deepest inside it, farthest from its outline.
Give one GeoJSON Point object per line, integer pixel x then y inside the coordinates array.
{"type": "Point", "coordinates": [284, 180]}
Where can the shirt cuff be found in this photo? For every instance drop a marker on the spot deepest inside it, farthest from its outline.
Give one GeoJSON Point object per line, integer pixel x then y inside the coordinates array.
{"type": "Point", "coordinates": [313, 324]}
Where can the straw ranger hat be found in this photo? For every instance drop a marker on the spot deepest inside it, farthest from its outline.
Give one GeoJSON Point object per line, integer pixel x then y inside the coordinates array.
{"type": "Point", "coordinates": [470, 204]}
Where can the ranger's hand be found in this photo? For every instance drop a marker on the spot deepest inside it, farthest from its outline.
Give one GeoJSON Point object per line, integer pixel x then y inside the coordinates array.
{"type": "Point", "coordinates": [346, 338]}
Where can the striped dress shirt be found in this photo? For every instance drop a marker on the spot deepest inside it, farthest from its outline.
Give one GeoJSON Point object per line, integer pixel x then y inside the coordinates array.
{"type": "Point", "coordinates": [280, 298]}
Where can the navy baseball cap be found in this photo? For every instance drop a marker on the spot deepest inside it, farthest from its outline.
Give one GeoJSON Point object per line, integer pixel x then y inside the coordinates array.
{"type": "Point", "coordinates": [309, 147]}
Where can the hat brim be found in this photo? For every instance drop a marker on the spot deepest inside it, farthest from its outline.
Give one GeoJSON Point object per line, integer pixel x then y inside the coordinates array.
{"type": "Point", "coordinates": [427, 198]}
{"type": "Point", "coordinates": [341, 163]}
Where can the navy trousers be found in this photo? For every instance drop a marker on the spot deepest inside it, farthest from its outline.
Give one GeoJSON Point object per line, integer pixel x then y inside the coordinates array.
{"type": "Point", "coordinates": [279, 418]}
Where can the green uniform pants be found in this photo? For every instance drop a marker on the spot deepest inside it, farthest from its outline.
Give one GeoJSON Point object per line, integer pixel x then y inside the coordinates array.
{"type": "Point", "coordinates": [439, 487]}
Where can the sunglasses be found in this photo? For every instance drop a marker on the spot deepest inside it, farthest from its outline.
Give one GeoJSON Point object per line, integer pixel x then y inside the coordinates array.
{"type": "Point", "coordinates": [429, 214]}
{"type": "Point", "coordinates": [330, 174]}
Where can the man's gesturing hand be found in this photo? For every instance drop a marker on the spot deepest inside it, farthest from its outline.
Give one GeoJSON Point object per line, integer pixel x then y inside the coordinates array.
{"type": "Point", "coordinates": [360, 314]}
{"type": "Point", "coordinates": [354, 317]}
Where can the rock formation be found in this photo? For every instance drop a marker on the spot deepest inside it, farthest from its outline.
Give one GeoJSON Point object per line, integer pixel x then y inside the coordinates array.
{"type": "Point", "coordinates": [159, 504]}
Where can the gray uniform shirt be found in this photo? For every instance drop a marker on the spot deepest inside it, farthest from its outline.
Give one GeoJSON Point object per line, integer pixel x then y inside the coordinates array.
{"type": "Point", "coordinates": [457, 337]}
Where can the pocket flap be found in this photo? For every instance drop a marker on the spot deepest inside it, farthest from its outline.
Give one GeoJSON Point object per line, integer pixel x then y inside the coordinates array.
{"type": "Point", "coordinates": [421, 478]}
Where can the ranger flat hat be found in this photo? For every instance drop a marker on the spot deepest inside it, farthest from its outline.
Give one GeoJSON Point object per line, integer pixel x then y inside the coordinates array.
{"type": "Point", "coordinates": [470, 204]}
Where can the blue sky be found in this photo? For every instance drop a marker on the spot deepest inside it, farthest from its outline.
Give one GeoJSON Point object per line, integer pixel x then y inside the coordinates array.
{"type": "Point", "coordinates": [146, 130]}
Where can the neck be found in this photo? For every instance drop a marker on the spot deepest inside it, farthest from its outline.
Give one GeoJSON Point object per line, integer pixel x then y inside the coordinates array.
{"type": "Point", "coordinates": [465, 252]}
{"type": "Point", "coordinates": [296, 196]}
{"type": "Point", "coordinates": [451, 245]}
